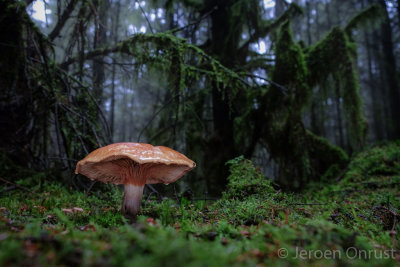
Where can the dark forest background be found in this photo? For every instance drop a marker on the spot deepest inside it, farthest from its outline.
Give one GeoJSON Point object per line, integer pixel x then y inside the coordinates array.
{"type": "Point", "coordinates": [297, 86]}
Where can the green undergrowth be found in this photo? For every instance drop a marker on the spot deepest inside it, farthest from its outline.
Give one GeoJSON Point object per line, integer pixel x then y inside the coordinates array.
{"type": "Point", "coordinates": [352, 220]}
{"type": "Point", "coordinates": [245, 180]}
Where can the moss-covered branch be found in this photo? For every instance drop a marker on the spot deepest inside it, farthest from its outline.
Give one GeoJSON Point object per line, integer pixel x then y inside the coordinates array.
{"type": "Point", "coordinates": [336, 54]}
{"type": "Point", "coordinates": [370, 15]}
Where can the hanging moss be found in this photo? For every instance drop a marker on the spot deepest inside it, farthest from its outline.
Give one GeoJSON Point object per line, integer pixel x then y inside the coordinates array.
{"type": "Point", "coordinates": [170, 53]}
{"type": "Point", "coordinates": [290, 68]}
{"type": "Point", "coordinates": [301, 155]}
{"type": "Point", "coordinates": [286, 135]}
{"type": "Point", "coordinates": [336, 55]}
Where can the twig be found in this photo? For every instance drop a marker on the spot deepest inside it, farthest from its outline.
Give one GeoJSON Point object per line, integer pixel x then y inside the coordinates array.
{"type": "Point", "coordinates": [105, 123]}
{"type": "Point", "coordinates": [204, 198]}
{"type": "Point", "coordinates": [155, 115]}
{"type": "Point", "coordinates": [307, 204]}
{"type": "Point", "coordinates": [90, 188]}
{"type": "Point", "coordinates": [145, 16]}
{"type": "Point", "coordinates": [63, 19]}
{"type": "Point", "coordinates": [148, 197]}
{"type": "Point", "coordinates": [394, 223]}
{"type": "Point", "coordinates": [60, 158]}
{"type": "Point", "coordinates": [58, 134]}
{"type": "Point", "coordinates": [341, 174]}
{"type": "Point", "coordinates": [154, 191]}
{"type": "Point", "coordinates": [9, 188]}
{"type": "Point", "coordinates": [194, 22]}
{"type": "Point", "coordinates": [16, 185]}
{"type": "Point", "coordinates": [76, 131]}
{"type": "Point", "coordinates": [73, 176]}
{"type": "Point", "coordinates": [283, 88]}
{"type": "Point", "coordinates": [176, 195]}
{"type": "Point", "coordinates": [80, 184]}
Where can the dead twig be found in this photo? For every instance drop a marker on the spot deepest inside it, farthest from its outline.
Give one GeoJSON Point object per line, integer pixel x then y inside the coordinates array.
{"type": "Point", "coordinates": [176, 195]}
{"type": "Point", "coordinates": [90, 187]}
{"type": "Point", "coordinates": [154, 191]}
{"type": "Point", "coordinates": [17, 185]}
{"type": "Point", "coordinates": [61, 158]}
{"type": "Point", "coordinates": [307, 204]}
{"type": "Point", "coordinates": [341, 174]}
{"type": "Point", "coordinates": [206, 15]}
{"type": "Point", "coordinates": [145, 16]}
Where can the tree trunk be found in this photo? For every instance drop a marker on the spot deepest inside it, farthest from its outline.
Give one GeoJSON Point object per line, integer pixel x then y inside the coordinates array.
{"type": "Point", "coordinates": [16, 93]}
{"type": "Point", "coordinates": [339, 120]}
{"type": "Point", "coordinates": [308, 13]}
{"type": "Point", "coordinates": [390, 72]}
{"type": "Point", "coordinates": [220, 145]}
{"type": "Point", "coordinates": [376, 106]}
{"type": "Point", "coordinates": [100, 39]}
{"type": "Point", "coordinates": [115, 39]}
{"type": "Point", "coordinates": [381, 86]}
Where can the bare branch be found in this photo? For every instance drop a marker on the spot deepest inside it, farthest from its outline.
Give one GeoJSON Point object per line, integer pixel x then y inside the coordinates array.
{"type": "Point", "coordinates": [206, 15]}
{"type": "Point", "coordinates": [145, 16]}
{"type": "Point", "coordinates": [16, 185]}
{"type": "Point", "coordinates": [63, 19]}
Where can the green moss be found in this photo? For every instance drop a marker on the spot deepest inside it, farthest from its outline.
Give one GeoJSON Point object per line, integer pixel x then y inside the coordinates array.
{"type": "Point", "coordinates": [331, 159]}
{"type": "Point", "coordinates": [335, 55]}
{"type": "Point", "coordinates": [301, 155]}
{"type": "Point", "coordinates": [380, 160]}
{"type": "Point", "coordinates": [330, 217]}
{"type": "Point", "coordinates": [290, 69]}
{"type": "Point", "coordinates": [246, 181]}
{"type": "Point", "coordinates": [14, 173]}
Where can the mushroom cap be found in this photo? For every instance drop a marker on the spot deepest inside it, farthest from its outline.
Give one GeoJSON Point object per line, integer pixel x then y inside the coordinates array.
{"type": "Point", "coordinates": [134, 163]}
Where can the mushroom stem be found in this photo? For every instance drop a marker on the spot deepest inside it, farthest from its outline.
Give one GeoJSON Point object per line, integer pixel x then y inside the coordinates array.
{"type": "Point", "coordinates": [132, 200]}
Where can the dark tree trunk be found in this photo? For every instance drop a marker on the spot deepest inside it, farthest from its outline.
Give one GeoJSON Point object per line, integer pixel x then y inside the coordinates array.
{"type": "Point", "coordinates": [381, 86]}
{"type": "Point", "coordinates": [376, 105]}
{"type": "Point", "coordinates": [308, 13]}
{"type": "Point", "coordinates": [100, 39]}
{"type": "Point", "coordinates": [112, 106]}
{"type": "Point", "coordinates": [221, 147]}
{"type": "Point", "coordinates": [63, 19]}
{"type": "Point", "coordinates": [390, 72]}
{"type": "Point", "coordinates": [15, 94]}
{"type": "Point", "coordinates": [339, 119]}
{"type": "Point", "coordinates": [115, 39]}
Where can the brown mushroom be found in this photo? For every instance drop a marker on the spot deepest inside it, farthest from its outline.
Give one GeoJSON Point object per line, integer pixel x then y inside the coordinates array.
{"type": "Point", "coordinates": [134, 165]}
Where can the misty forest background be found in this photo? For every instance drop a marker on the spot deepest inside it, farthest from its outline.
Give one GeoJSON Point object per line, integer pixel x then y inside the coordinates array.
{"type": "Point", "coordinates": [297, 86]}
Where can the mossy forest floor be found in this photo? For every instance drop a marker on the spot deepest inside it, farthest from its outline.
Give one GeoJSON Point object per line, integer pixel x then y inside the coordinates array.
{"type": "Point", "coordinates": [351, 219]}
